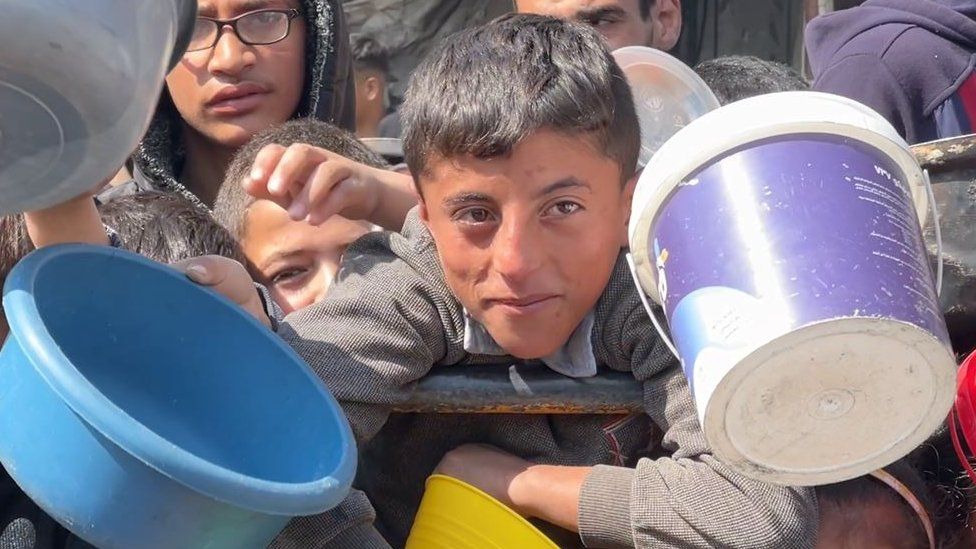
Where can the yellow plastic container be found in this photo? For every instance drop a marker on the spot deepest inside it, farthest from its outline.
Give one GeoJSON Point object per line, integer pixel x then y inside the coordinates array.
{"type": "Point", "coordinates": [456, 515]}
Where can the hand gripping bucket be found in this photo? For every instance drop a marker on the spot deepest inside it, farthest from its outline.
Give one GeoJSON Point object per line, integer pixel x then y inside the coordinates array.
{"type": "Point", "coordinates": [456, 515]}
{"type": "Point", "coordinates": [781, 236]}
{"type": "Point", "coordinates": [143, 411]}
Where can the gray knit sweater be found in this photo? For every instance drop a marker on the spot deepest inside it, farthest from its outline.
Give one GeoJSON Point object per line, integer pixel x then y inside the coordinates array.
{"type": "Point", "coordinates": [391, 318]}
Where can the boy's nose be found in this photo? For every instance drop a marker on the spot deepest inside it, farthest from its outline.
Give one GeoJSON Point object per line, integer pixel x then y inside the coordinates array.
{"type": "Point", "coordinates": [515, 251]}
{"type": "Point", "coordinates": [230, 56]}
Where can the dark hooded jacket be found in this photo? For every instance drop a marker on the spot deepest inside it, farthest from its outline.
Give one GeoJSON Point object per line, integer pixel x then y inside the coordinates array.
{"type": "Point", "coordinates": [328, 95]}
{"type": "Point", "coordinates": [910, 60]}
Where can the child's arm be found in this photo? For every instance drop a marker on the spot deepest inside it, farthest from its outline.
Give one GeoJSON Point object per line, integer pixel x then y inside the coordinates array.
{"type": "Point", "coordinates": [76, 220]}
{"type": "Point", "coordinates": [379, 331]}
{"type": "Point", "coordinates": [688, 498]}
{"type": "Point", "coordinates": [314, 184]}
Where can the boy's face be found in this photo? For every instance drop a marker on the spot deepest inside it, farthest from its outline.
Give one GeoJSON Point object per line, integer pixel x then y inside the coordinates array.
{"type": "Point", "coordinates": [370, 99]}
{"type": "Point", "coordinates": [528, 242]}
{"type": "Point", "coordinates": [232, 91]}
{"type": "Point", "coordinates": [294, 260]}
{"type": "Point", "coordinates": [619, 21]}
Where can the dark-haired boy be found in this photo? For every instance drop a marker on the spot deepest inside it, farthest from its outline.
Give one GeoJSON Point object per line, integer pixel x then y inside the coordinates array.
{"type": "Point", "coordinates": [372, 70]}
{"type": "Point", "coordinates": [736, 77]}
{"type": "Point", "coordinates": [296, 261]}
{"type": "Point", "coordinates": [520, 136]}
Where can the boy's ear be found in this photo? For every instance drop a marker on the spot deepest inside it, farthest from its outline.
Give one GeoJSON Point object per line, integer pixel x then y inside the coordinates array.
{"type": "Point", "coordinates": [422, 210]}
{"type": "Point", "coordinates": [627, 204]}
{"type": "Point", "coordinates": [666, 21]}
{"type": "Point", "coordinates": [373, 88]}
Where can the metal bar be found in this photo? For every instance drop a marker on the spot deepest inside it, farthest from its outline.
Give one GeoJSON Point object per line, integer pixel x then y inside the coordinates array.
{"type": "Point", "coordinates": [522, 389]}
{"type": "Point", "coordinates": [947, 155]}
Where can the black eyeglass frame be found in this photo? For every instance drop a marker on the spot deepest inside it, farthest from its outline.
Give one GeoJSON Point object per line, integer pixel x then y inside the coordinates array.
{"type": "Point", "coordinates": [233, 22]}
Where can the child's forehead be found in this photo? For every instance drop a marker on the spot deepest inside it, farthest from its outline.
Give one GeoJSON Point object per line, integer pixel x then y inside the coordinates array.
{"type": "Point", "coordinates": [542, 154]}
{"type": "Point", "coordinates": [531, 164]}
{"type": "Point", "coordinates": [211, 7]}
{"type": "Point", "coordinates": [270, 223]}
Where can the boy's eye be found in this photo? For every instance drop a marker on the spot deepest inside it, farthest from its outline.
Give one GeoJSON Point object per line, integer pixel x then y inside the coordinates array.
{"type": "Point", "coordinates": [602, 19]}
{"type": "Point", "coordinates": [288, 275]}
{"type": "Point", "coordinates": [474, 215]}
{"type": "Point", "coordinates": [563, 208]}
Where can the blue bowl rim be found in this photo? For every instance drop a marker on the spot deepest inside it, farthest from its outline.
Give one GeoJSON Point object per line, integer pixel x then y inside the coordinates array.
{"type": "Point", "coordinates": [182, 466]}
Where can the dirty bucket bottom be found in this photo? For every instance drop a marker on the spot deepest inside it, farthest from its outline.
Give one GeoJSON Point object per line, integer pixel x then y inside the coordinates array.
{"type": "Point", "coordinates": [831, 401]}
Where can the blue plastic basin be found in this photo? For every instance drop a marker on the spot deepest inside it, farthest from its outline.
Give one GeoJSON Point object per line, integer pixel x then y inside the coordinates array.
{"type": "Point", "coordinates": [141, 410]}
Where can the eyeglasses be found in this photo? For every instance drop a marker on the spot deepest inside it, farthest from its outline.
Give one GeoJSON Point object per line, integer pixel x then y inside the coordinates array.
{"type": "Point", "coordinates": [256, 28]}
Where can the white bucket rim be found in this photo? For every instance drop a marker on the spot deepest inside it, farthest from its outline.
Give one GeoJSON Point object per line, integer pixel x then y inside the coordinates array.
{"type": "Point", "coordinates": [747, 121]}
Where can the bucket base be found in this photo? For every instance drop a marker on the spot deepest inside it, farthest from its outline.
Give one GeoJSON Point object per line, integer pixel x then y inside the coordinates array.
{"type": "Point", "coordinates": [831, 401]}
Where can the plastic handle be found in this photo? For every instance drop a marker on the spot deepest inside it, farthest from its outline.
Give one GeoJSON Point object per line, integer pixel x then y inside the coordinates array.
{"type": "Point", "coordinates": [647, 307]}
{"type": "Point", "coordinates": [938, 232]}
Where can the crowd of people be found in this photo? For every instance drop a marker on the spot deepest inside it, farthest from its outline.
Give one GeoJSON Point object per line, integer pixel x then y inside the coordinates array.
{"type": "Point", "coordinates": [502, 238]}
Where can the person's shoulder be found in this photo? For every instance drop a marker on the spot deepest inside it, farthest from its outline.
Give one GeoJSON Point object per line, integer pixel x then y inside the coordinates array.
{"type": "Point", "coordinates": [621, 288]}
{"type": "Point", "coordinates": [390, 125]}
{"type": "Point", "coordinates": [624, 336]}
{"type": "Point", "coordinates": [398, 258]}
{"type": "Point", "coordinates": [619, 306]}
{"type": "Point", "coordinates": [903, 47]}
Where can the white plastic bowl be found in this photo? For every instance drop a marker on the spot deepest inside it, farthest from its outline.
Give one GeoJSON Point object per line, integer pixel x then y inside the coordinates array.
{"type": "Point", "coordinates": [667, 95]}
{"type": "Point", "coordinates": [78, 85]}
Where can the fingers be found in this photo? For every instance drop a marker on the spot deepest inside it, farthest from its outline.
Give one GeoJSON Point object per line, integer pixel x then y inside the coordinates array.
{"type": "Point", "coordinates": [228, 278]}
{"type": "Point", "coordinates": [328, 192]}
{"type": "Point", "coordinates": [283, 172]}
{"type": "Point", "coordinates": [312, 184]}
{"type": "Point", "coordinates": [256, 182]}
{"type": "Point", "coordinates": [294, 168]}
{"type": "Point", "coordinates": [206, 270]}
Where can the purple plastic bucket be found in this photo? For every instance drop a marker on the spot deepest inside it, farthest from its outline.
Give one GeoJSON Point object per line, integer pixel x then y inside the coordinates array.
{"type": "Point", "coordinates": [790, 264]}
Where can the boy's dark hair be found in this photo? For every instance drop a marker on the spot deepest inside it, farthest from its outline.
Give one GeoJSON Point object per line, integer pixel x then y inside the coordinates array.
{"type": "Point", "coordinates": [230, 207]}
{"type": "Point", "coordinates": [14, 245]}
{"type": "Point", "coordinates": [166, 227]}
{"type": "Point", "coordinates": [845, 501]}
{"type": "Point", "coordinates": [485, 89]}
{"type": "Point", "coordinates": [736, 77]}
{"type": "Point", "coordinates": [368, 54]}
{"type": "Point", "coordinates": [952, 492]}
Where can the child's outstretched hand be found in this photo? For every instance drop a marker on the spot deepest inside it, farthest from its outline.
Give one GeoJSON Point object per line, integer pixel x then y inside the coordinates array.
{"type": "Point", "coordinates": [229, 279]}
{"type": "Point", "coordinates": [313, 184]}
